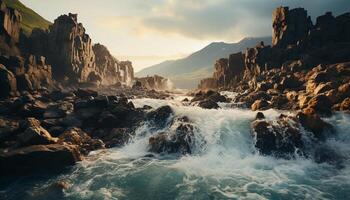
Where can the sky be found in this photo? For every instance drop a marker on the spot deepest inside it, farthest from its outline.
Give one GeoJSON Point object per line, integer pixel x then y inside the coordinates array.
{"type": "Point", "coordinates": [151, 31]}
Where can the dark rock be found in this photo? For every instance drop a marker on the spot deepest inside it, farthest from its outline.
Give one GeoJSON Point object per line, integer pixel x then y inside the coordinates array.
{"type": "Point", "coordinates": [179, 141]}
{"type": "Point", "coordinates": [208, 104]}
{"type": "Point", "coordinates": [76, 136]}
{"type": "Point", "coordinates": [321, 104]}
{"type": "Point", "coordinates": [38, 159]}
{"type": "Point", "coordinates": [8, 84]}
{"type": "Point", "coordinates": [85, 93]}
{"type": "Point", "coordinates": [260, 115]}
{"type": "Point", "coordinates": [281, 139]}
{"type": "Point", "coordinates": [160, 116]}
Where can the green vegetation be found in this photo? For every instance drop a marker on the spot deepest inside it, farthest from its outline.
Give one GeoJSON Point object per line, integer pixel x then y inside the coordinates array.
{"type": "Point", "coordinates": [31, 19]}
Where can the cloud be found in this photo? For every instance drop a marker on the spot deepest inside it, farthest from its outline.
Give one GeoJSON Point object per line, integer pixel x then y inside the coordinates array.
{"type": "Point", "coordinates": [226, 19]}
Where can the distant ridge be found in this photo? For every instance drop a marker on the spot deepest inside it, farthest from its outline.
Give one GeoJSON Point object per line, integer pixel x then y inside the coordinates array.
{"type": "Point", "coordinates": [186, 72]}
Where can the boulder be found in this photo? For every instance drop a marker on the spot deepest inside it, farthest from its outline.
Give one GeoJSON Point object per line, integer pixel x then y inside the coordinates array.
{"type": "Point", "coordinates": [7, 128]}
{"type": "Point", "coordinates": [34, 134]}
{"type": "Point", "coordinates": [179, 141]}
{"type": "Point", "coordinates": [208, 104]}
{"type": "Point", "coordinates": [76, 136]}
{"type": "Point", "coordinates": [160, 116]}
{"type": "Point", "coordinates": [321, 104]}
{"type": "Point", "coordinates": [280, 138]}
{"type": "Point", "coordinates": [260, 105]}
{"type": "Point", "coordinates": [38, 159]}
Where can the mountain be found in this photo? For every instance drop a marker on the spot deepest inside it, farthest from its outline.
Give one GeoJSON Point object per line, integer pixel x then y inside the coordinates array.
{"type": "Point", "coordinates": [187, 72]}
{"type": "Point", "coordinates": [30, 19]}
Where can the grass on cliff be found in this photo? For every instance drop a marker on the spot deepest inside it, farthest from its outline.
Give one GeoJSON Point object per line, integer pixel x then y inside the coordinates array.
{"type": "Point", "coordinates": [30, 19]}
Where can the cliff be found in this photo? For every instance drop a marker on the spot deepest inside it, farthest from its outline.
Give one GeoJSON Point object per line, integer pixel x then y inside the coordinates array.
{"type": "Point", "coordinates": [306, 67]}
{"type": "Point", "coordinates": [73, 56]}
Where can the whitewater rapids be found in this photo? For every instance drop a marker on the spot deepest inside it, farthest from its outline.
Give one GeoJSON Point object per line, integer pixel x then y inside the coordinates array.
{"type": "Point", "coordinates": [227, 166]}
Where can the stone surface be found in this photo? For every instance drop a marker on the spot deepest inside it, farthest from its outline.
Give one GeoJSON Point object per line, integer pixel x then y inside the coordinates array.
{"type": "Point", "coordinates": [38, 159]}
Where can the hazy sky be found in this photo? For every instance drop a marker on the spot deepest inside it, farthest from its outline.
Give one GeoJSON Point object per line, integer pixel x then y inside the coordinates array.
{"type": "Point", "coordinates": [150, 31]}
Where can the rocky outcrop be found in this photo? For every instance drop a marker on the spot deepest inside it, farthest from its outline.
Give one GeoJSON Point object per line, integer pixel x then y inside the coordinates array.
{"type": "Point", "coordinates": [289, 26]}
{"type": "Point", "coordinates": [227, 73]}
{"type": "Point", "coordinates": [10, 20]}
{"type": "Point", "coordinates": [154, 83]}
{"type": "Point", "coordinates": [27, 74]}
{"type": "Point", "coordinates": [70, 51]}
{"type": "Point", "coordinates": [38, 159]}
{"type": "Point", "coordinates": [8, 84]}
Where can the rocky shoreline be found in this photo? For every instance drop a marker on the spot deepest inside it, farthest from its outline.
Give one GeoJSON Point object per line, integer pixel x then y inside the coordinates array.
{"type": "Point", "coordinates": [45, 128]}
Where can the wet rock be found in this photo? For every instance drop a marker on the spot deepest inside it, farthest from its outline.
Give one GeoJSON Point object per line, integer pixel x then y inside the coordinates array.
{"type": "Point", "coordinates": [76, 136]}
{"type": "Point", "coordinates": [160, 116]}
{"type": "Point", "coordinates": [117, 137]}
{"type": "Point", "coordinates": [280, 138]}
{"type": "Point", "coordinates": [108, 120]}
{"type": "Point", "coordinates": [312, 122]}
{"type": "Point", "coordinates": [322, 88]}
{"type": "Point", "coordinates": [260, 115]}
{"type": "Point", "coordinates": [260, 105]}
{"type": "Point", "coordinates": [208, 104]}
{"type": "Point", "coordinates": [34, 134]}
{"type": "Point", "coordinates": [38, 159]}
{"type": "Point", "coordinates": [179, 141]}
{"type": "Point", "coordinates": [35, 109]}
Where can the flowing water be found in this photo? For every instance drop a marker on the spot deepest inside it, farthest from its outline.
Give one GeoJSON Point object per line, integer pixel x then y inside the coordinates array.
{"type": "Point", "coordinates": [227, 166]}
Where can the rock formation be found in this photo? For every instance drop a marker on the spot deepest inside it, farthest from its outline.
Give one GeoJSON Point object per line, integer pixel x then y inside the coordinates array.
{"type": "Point", "coordinates": [73, 56]}
{"type": "Point", "coordinates": [154, 83]}
{"type": "Point", "coordinates": [227, 72]}
{"type": "Point", "coordinates": [289, 26]}
{"type": "Point", "coordinates": [9, 29]}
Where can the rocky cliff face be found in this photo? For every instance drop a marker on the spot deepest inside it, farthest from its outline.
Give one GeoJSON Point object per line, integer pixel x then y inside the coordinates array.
{"type": "Point", "coordinates": [289, 26]}
{"type": "Point", "coordinates": [296, 44]}
{"type": "Point", "coordinates": [19, 72]}
{"type": "Point", "coordinates": [10, 20]}
{"type": "Point", "coordinates": [74, 57]}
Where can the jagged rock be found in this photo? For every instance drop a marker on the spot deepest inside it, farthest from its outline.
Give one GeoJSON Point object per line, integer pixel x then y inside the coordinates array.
{"type": "Point", "coordinates": [160, 116]}
{"type": "Point", "coordinates": [10, 19]}
{"type": "Point", "coordinates": [8, 84]}
{"type": "Point", "coordinates": [179, 141]}
{"type": "Point", "coordinates": [289, 26]}
{"type": "Point", "coordinates": [76, 136]}
{"type": "Point", "coordinates": [34, 134]}
{"type": "Point", "coordinates": [58, 111]}
{"type": "Point", "coordinates": [281, 138]}
{"type": "Point", "coordinates": [38, 159]}
{"type": "Point", "coordinates": [116, 137]}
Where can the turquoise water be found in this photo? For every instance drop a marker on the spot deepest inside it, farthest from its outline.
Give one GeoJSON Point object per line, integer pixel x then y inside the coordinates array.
{"type": "Point", "coordinates": [226, 166]}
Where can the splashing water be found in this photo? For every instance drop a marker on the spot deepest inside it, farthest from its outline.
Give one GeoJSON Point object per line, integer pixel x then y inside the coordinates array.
{"type": "Point", "coordinates": [227, 167]}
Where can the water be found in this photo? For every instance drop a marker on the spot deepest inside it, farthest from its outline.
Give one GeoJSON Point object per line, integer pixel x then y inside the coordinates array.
{"type": "Point", "coordinates": [227, 166]}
